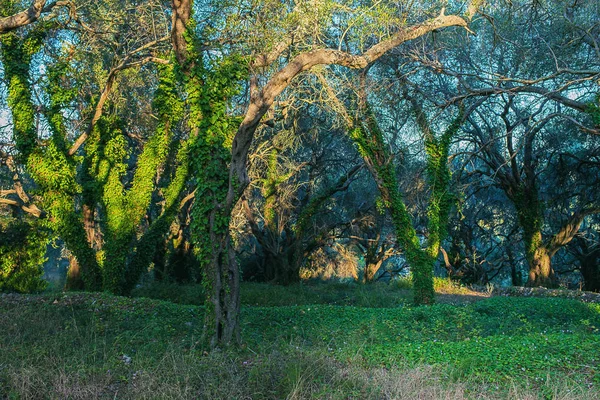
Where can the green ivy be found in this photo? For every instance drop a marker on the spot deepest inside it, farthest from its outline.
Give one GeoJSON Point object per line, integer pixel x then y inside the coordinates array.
{"type": "Point", "coordinates": [16, 55]}
{"type": "Point", "coordinates": [369, 140]}
{"type": "Point", "coordinates": [48, 164]}
{"type": "Point", "coordinates": [22, 255]}
{"type": "Point", "coordinates": [125, 257]}
{"type": "Point", "coordinates": [209, 87]}
{"type": "Point", "coordinates": [593, 109]}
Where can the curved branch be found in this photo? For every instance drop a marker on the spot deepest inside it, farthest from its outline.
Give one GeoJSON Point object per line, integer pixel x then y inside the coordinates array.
{"type": "Point", "coordinates": [112, 75]}
{"type": "Point", "coordinates": [570, 228]}
{"type": "Point", "coordinates": [22, 18]}
{"type": "Point", "coordinates": [553, 95]}
{"type": "Point", "coordinates": [261, 100]}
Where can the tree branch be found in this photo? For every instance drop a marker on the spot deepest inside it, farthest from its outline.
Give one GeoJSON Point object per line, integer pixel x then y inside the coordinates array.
{"type": "Point", "coordinates": [22, 18]}
{"type": "Point", "coordinates": [262, 100]}
{"type": "Point", "coordinates": [569, 229]}
{"type": "Point", "coordinates": [112, 76]}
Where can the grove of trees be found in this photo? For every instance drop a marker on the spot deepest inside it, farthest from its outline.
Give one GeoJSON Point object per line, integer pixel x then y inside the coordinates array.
{"type": "Point", "coordinates": [220, 141]}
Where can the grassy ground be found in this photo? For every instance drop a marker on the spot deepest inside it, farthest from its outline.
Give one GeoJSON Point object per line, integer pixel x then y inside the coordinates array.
{"type": "Point", "coordinates": [99, 346]}
{"type": "Point", "coordinates": [379, 295]}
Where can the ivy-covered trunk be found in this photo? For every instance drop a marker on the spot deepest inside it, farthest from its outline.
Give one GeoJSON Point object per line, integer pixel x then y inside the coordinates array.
{"type": "Point", "coordinates": [373, 149]}
{"type": "Point", "coordinates": [370, 142]}
{"type": "Point", "coordinates": [209, 90]}
{"type": "Point", "coordinates": [49, 166]}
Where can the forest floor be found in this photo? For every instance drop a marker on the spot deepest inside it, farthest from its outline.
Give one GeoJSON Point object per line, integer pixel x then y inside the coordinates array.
{"type": "Point", "coordinates": [334, 341]}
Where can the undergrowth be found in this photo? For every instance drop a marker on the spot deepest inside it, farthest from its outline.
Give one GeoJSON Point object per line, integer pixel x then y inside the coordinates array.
{"type": "Point", "coordinates": [101, 346]}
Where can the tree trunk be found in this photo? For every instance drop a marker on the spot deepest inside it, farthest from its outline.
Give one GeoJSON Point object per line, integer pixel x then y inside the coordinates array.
{"type": "Point", "coordinates": [589, 265]}
{"type": "Point", "coordinates": [541, 272]}
{"type": "Point", "coordinates": [590, 270]}
{"type": "Point", "coordinates": [74, 281]}
{"type": "Point", "coordinates": [515, 275]}
{"type": "Point", "coordinates": [531, 220]}
{"type": "Point", "coordinates": [372, 264]}
{"type": "Point", "coordinates": [370, 271]}
{"type": "Point", "coordinates": [288, 266]}
{"type": "Point", "coordinates": [89, 225]}
{"type": "Point", "coordinates": [221, 326]}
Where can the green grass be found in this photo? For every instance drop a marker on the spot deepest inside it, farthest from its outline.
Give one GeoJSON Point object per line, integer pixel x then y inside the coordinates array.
{"type": "Point", "coordinates": [263, 294]}
{"type": "Point", "coordinates": [376, 295]}
{"type": "Point", "coordinates": [101, 346]}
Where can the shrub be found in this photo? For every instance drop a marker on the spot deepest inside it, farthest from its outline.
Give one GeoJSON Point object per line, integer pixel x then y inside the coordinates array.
{"type": "Point", "coordinates": [22, 255]}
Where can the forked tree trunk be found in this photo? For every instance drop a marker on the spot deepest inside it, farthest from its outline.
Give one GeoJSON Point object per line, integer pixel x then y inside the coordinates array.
{"type": "Point", "coordinates": [372, 264]}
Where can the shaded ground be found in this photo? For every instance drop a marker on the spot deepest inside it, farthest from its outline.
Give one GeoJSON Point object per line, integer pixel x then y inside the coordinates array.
{"type": "Point", "coordinates": [376, 295]}
{"type": "Point", "coordinates": [588, 297]}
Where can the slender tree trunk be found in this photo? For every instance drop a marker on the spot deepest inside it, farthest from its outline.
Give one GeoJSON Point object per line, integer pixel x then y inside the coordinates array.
{"type": "Point", "coordinates": [515, 275]}
{"type": "Point", "coordinates": [221, 325]}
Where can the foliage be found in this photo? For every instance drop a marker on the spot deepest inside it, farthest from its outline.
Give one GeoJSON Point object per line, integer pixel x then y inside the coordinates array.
{"type": "Point", "coordinates": [16, 54]}
{"type": "Point", "coordinates": [22, 255]}
{"type": "Point", "coordinates": [125, 209]}
{"type": "Point", "coordinates": [593, 109]}
{"type": "Point", "coordinates": [209, 91]}
{"type": "Point", "coordinates": [48, 165]}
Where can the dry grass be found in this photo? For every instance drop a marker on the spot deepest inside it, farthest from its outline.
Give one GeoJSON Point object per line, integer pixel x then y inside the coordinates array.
{"type": "Point", "coordinates": [294, 376]}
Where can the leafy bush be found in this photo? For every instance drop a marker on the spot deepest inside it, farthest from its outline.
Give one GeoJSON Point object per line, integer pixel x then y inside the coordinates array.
{"type": "Point", "coordinates": [22, 255]}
